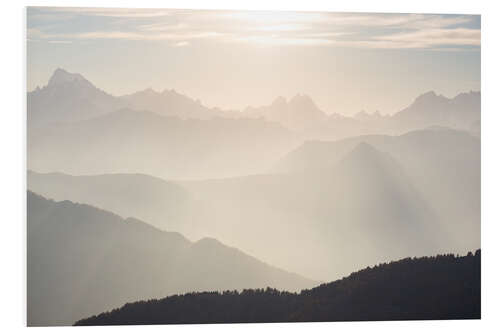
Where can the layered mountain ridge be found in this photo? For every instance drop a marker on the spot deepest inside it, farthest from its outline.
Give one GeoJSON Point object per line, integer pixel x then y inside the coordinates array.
{"type": "Point", "coordinates": [83, 260]}
{"type": "Point", "coordinates": [360, 187]}
{"type": "Point", "coordinates": [299, 114]}
{"type": "Point", "coordinates": [312, 192]}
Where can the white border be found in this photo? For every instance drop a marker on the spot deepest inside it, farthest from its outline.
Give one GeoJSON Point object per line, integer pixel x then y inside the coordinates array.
{"type": "Point", "coordinates": [13, 163]}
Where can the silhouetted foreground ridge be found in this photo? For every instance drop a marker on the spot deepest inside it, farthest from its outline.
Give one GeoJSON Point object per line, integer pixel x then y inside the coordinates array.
{"type": "Point", "coordinates": [441, 287]}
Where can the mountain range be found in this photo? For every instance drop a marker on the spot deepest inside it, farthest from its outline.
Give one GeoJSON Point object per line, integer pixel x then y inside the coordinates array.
{"type": "Point", "coordinates": [312, 192]}
{"type": "Point", "coordinates": [423, 186]}
{"type": "Point", "coordinates": [179, 138]}
{"type": "Point", "coordinates": [128, 141]}
{"type": "Point", "coordinates": [83, 260]}
{"type": "Point", "coordinates": [71, 97]}
{"type": "Point", "coordinates": [444, 165]}
{"type": "Point", "coordinates": [366, 205]}
{"type": "Point", "coordinates": [300, 113]}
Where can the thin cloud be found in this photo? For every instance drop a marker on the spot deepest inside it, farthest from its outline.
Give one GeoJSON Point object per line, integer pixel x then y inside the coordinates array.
{"type": "Point", "coordinates": [159, 27]}
{"type": "Point", "coordinates": [402, 21]}
{"type": "Point", "coordinates": [433, 37]}
{"type": "Point", "coordinates": [113, 12]}
{"type": "Point", "coordinates": [144, 36]}
{"type": "Point", "coordinates": [181, 44]}
{"type": "Point", "coordinates": [277, 40]}
{"type": "Point", "coordinates": [60, 42]}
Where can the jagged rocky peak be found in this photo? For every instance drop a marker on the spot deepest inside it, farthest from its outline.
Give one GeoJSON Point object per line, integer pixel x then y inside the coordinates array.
{"type": "Point", "coordinates": [429, 97]}
{"type": "Point", "coordinates": [61, 76]}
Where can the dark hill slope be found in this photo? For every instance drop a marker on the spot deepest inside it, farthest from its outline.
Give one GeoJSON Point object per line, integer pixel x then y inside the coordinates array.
{"type": "Point", "coordinates": [441, 287]}
{"type": "Point", "coordinates": [82, 260]}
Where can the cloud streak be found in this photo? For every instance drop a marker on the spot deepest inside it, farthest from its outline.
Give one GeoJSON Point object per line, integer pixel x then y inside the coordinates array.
{"type": "Point", "coordinates": [435, 37]}
{"type": "Point", "coordinates": [114, 12]}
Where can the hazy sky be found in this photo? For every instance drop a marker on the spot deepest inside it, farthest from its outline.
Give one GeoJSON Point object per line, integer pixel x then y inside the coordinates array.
{"type": "Point", "coordinates": [346, 62]}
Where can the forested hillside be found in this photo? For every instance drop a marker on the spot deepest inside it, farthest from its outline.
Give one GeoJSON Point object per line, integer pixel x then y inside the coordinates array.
{"type": "Point", "coordinates": [440, 287]}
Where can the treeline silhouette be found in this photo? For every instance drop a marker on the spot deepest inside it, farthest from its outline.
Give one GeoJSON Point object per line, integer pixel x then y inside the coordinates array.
{"type": "Point", "coordinates": [439, 287]}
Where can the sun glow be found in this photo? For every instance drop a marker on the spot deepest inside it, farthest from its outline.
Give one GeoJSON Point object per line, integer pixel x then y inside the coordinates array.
{"type": "Point", "coordinates": [264, 18]}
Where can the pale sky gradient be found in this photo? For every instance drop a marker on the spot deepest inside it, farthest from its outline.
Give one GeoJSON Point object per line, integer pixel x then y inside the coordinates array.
{"type": "Point", "coordinates": [346, 62]}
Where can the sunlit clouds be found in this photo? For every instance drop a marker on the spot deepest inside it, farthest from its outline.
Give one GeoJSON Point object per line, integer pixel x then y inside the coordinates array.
{"type": "Point", "coordinates": [354, 30]}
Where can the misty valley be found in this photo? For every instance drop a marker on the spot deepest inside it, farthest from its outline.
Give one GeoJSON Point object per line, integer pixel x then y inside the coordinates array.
{"type": "Point", "coordinates": [152, 208]}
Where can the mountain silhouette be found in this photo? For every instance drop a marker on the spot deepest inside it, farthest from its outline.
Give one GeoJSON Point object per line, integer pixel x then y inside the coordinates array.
{"type": "Point", "coordinates": [440, 287]}
{"type": "Point", "coordinates": [170, 103]}
{"type": "Point", "coordinates": [71, 97]}
{"type": "Point", "coordinates": [83, 260]}
{"type": "Point", "coordinates": [68, 97]}
{"type": "Point", "coordinates": [462, 112]}
{"type": "Point", "coordinates": [61, 77]}
{"type": "Point", "coordinates": [381, 190]}
{"type": "Point", "coordinates": [365, 205]}
{"type": "Point", "coordinates": [430, 109]}
{"type": "Point", "coordinates": [129, 141]}
{"type": "Point", "coordinates": [367, 195]}
{"type": "Point", "coordinates": [298, 114]}
{"type": "Point", "coordinates": [443, 164]}
{"type": "Point", "coordinates": [164, 204]}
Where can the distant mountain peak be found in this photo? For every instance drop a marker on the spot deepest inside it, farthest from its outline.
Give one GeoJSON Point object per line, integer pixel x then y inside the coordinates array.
{"type": "Point", "coordinates": [470, 96]}
{"type": "Point", "coordinates": [149, 90]}
{"type": "Point", "coordinates": [364, 155]}
{"type": "Point", "coordinates": [280, 100]}
{"type": "Point", "coordinates": [364, 148]}
{"type": "Point", "coordinates": [61, 76]}
{"type": "Point", "coordinates": [302, 99]}
{"type": "Point", "coordinates": [429, 97]}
